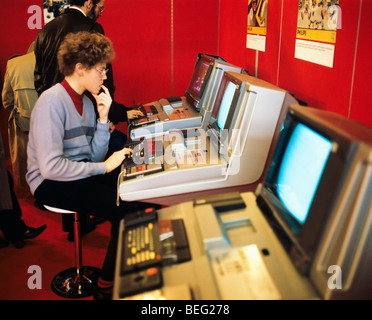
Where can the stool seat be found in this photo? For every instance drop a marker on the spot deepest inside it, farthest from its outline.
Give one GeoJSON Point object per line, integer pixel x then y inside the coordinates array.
{"type": "Point", "coordinates": [58, 210]}
{"type": "Point", "coordinates": [79, 281]}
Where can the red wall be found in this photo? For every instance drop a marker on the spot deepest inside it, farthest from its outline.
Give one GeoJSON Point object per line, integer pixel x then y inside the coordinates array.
{"type": "Point", "coordinates": [17, 37]}
{"type": "Point", "coordinates": [361, 106]}
{"type": "Point", "coordinates": [343, 89]}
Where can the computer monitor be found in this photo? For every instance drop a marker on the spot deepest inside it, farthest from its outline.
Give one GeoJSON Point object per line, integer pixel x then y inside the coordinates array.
{"type": "Point", "coordinates": [248, 113]}
{"type": "Point", "coordinates": [199, 79]}
{"type": "Point", "coordinates": [226, 102]}
{"type": "Point", "coordinates": [315, 195]}
{"type": "Point", "coordinates": [208, 99]}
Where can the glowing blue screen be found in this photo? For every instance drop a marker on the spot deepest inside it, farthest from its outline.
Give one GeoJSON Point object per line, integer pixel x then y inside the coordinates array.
{"type": "Point", "coordinates": [301, 169]}
{"type": "Point", "coordinates": [225, 105]}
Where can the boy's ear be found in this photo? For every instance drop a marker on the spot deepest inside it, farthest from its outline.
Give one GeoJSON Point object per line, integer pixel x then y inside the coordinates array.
{"type": "Point", "coordinates": [79, 69]}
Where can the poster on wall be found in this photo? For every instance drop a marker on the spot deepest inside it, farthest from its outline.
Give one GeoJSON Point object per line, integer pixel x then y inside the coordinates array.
{"type": "Point", "coordinates": [53, 8]}
{"type": "Point", "coordinates": [317, 24]}
{"type": "Point", "coordinates": [257, 22]}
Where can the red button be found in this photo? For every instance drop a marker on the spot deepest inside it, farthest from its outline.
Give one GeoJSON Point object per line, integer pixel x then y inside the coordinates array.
{"type": "Point", "coordinates": [151, 271]}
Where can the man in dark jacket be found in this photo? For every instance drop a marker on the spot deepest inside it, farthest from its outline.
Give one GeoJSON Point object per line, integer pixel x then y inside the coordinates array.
{"type": "Point", "coordinates": [49, 38]}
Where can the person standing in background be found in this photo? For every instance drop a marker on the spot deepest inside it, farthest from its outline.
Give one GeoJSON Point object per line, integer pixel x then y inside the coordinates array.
{"type": "Point", "coordinates": [98, 8]}
{"type": "Point", "coordinates": [19, 97]}
{"type": "Point", "coordinates": [12, 225]}
{"type": "Point", "coordinates": [73, 19]}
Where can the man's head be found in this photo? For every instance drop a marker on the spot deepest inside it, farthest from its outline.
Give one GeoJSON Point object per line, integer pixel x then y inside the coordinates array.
{"type": "Point", "coordinates": [97, 10]}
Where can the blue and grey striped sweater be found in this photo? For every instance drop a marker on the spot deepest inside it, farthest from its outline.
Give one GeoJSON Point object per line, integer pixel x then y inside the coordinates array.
{"type": "Point", "coordinates": [63, 145]}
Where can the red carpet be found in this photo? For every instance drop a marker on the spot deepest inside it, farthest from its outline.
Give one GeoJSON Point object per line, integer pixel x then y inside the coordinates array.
{"type": "Point", "coordinates": [50, 251]}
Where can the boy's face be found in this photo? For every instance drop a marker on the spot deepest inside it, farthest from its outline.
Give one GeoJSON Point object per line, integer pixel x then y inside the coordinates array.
{"type": "Point", "coordinates": [94, 77]}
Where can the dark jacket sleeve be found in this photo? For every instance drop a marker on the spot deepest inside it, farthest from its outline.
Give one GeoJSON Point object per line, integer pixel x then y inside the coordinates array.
{"type": "Point", "coordinates": [118, 112]}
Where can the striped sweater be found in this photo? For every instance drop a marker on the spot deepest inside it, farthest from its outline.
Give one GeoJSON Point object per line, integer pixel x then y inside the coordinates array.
{"type": "Point", "coordinates": [64, 146]}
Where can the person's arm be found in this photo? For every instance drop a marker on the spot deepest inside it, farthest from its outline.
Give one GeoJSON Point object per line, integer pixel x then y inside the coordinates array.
{"type": "Point", "coordinates": [7, 93]}
{"type": "Point", "coordinates": [99, 144]}
{"type": "Point", "coordinates": [118, 112]}
{"type": "Point", "coordinates": [102, 134]}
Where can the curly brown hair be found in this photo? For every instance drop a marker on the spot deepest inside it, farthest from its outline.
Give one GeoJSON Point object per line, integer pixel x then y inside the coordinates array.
{"type": "Point", "coordinates": [87, 48]}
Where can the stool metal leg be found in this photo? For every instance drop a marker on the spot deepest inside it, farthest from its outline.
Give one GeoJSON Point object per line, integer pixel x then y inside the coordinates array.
{"type": "Point", "coordinates": [77, 242]}
{"type": "Point", "coordinates": [79, 281]}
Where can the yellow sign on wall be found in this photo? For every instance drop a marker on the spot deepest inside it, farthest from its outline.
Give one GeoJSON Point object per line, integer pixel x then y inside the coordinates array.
{"type": "Point", "coordinates": [317, 24]}
{"type": "Point", "coordinates": [256, 26]}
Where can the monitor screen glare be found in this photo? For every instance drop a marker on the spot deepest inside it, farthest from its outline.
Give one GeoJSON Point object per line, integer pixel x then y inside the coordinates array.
{"type": "Point", "coordinates": [226, 104]}
{"type": "Point", "coordinates": [301, 169]}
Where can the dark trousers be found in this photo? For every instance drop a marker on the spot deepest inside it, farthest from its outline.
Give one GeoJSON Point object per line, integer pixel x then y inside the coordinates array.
{"type": "Point", "coordinates": [11, 223]}
{"type": "Point", "coordinates": [95, 196]}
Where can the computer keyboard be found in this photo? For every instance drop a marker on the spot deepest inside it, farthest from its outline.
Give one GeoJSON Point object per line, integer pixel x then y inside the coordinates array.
{"type": "Point", "coordinates": [128, 161]}
{"type": "Point", "coordinates": [140, 161]}
{"type": "Point", "coordinates": [149, 116]}
{"type": "Point", "coordinates": [142, 152]}
{"type": "Point", "coordinates": [141, 247]}
{"type": "Point", "coordinates": [142, 109]}
{"type": "Point", "coordinates": [147, 244]}
{"type": "Point", "coordinates": [148, 110]}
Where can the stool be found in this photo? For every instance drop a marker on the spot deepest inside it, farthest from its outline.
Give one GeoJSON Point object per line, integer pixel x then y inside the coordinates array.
{"type": "Point", "coordinates": [79, 281]}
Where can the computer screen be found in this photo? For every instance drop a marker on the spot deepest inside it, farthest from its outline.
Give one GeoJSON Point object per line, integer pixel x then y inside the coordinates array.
{"type": "Point", "coordinates": [302, 166]}
{"type": "Point", "coordinates": [315, 180]}
{"type": "Point", "coordinates": [226, 102]}
{"type": "Point", "coordinates": [199, 79]}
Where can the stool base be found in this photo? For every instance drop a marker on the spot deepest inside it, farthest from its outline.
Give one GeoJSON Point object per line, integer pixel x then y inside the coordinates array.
{"type": "Point", "coordinates": [68, 285]}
